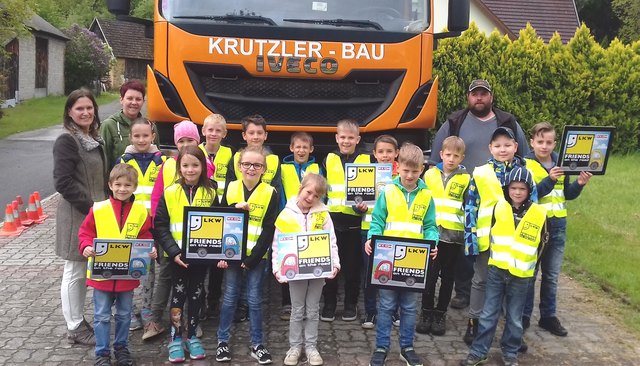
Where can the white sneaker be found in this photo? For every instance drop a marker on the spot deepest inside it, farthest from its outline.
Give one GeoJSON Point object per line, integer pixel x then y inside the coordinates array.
{"type": "Point", "coordinates": [292, 357]}
{"type": "Point", "coordinates": [314, 358]}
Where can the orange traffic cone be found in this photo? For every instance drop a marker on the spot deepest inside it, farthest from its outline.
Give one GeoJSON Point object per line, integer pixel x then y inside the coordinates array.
{"type": "Point", "coordinates": [42, 216]}
{"type": "Point", "coordinates": [24, 219]}
{"type": "Point", "coordinates": [10, 228]}
{"type": "Point", "coordinates": [32, 210]}
{"type": "Point", "coordinates": [16, 215]}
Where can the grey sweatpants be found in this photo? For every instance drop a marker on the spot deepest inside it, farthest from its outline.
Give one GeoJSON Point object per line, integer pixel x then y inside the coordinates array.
{"type": "Point", "coordinates": [305, 295]}
{"type": "Point", "coordinates": [478, 284]}
{"type": "Point", "coordinates": [162, 289]}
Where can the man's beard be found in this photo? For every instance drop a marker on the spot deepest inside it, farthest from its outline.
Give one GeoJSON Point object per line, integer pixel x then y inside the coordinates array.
{"type": "Point", "coordinates": [480, 112]}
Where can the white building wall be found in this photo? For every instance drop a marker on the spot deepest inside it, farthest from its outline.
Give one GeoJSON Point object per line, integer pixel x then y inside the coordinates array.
{"type": "Point", "coordinates": [55, 81]}
{"type": "Point", "coordinates": [441, 11]}
{"type": "Point", "coordinates": [26, 68]}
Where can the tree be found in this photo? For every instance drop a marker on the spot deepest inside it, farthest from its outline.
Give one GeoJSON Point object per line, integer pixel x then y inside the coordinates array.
{"type": "Point", "coordinates": [65, 13]}
{"type": "Point", "coordinates": [598, 15]}
{"type": "Point", "coordinates": [142, 9]}
{"type": "Point", "coordinates": [86, 59]}
{"type": "Point", "coordinates": [629, 13]}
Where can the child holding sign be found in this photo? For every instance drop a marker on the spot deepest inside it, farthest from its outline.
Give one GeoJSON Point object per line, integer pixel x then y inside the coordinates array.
{"type": "Point", "coordinates": [304, 213]}
{"type": "Point", "coordinates": [119, 217]}
{"type": "Point", "coordinates": [400, 212]}
{"type": "Point", "coordinates": [193, 188]}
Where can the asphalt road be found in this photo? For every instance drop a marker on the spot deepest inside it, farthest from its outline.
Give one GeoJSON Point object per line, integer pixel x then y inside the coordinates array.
{"type": "Point", "coordinates": [26, 160]}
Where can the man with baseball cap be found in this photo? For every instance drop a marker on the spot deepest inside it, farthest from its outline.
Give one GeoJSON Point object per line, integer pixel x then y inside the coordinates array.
{"type": "Point", "coordinates": [475, 125]}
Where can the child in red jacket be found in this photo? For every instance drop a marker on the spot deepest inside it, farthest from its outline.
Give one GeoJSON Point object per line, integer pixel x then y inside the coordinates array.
{"type": "Point", "coordinates": [119, 217]}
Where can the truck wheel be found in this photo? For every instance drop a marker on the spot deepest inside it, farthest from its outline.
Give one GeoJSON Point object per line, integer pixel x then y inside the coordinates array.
{"type": "Point", "coordinates": [573, 166]}
{"type": "Point", "coordinates": [594, 165]}
{"type": "Point", "coordinates": [202, 252]}
{"type": "Point", "coordinates": [358, 199]}
{"type": "Point", "coordinates": [410, 281]}
{"type": "Point", "coordinates": [107, 274]}
{"type": "Point", "coordinates": [136, 274]}
{"type": "Point", "coordinates": [383, 279]}
{"type": "Point", "coordinates": [317, 271]}
{"type": "Point", "coordinates": [290, 274]}
{"type": "Point", "coordinates": [229, 253]}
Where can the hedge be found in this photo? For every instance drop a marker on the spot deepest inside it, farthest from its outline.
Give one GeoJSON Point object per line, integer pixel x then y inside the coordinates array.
{"type": "Point", "coordinates": [578, 83]}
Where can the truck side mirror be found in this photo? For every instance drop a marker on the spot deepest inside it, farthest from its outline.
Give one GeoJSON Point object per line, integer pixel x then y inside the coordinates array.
{"type": "Point", "coordinates": [119, 7]}
{"type": "Point", "coordinates": [458, 20]}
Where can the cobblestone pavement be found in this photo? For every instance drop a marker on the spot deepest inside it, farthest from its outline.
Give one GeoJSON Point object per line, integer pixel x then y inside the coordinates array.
{"type": "Point", "coordinates": [32, 329]}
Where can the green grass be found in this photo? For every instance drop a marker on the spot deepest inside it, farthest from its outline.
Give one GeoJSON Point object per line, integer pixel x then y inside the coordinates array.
{"type": "Point", "coordinates": [603, 236]}
{"type": "Point", "coordinates": [38, 113]}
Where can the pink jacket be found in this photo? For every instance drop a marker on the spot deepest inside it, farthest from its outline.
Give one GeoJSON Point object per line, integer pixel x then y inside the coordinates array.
{"type": "Point", "coordinates": [302, 220]}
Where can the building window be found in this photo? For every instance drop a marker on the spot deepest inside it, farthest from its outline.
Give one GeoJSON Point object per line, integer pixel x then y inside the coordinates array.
{"type": "Point", "coordinates": [135, 69]}
{"type": "Point", "coordinates": [42, 62]}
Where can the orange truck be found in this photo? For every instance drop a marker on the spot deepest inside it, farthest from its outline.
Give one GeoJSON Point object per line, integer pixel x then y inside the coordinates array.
{"type": "Point", "coordinates": [301, 64]}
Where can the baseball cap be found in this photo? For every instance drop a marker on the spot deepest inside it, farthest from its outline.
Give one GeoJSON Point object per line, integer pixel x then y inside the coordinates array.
{"type": "Point", "coordinates": [479, 83]}
{"type": "Point", "coordinates": [503, 131]}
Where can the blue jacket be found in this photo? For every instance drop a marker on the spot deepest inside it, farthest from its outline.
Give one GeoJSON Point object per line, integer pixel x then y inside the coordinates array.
{"type": "Point", "coordinates": [299, 169]}
{"type": "Point", "coordinates": [571, 190]}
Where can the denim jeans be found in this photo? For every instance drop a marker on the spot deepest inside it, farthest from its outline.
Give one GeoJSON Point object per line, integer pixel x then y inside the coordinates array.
{"type": "Point", "coordinates": [102, 303]}
{"type": "Point", "coordinates": [232, 288]}
{"type": "Point", "coordinates": [388, 301]}
{"type": "Point", "coordinates": [501, 287]}
{"type": "Point", "coordinates": [370, 292]}
{"type": "Point", "coordinates": [550, 264]}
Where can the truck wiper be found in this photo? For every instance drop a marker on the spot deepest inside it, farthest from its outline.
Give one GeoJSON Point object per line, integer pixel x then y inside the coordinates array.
{"type": "Point", "coordinates": [254, 19]}
{"type": "Point", "coordinates": [339, 22]}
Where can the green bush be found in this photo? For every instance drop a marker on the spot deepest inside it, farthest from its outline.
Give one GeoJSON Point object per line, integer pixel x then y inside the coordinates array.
{"type": "Point", "coordinates": [578, 83]}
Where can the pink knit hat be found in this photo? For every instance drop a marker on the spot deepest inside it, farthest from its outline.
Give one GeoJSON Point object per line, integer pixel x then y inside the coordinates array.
{"type": "Point", "coordinates": [185, 129]}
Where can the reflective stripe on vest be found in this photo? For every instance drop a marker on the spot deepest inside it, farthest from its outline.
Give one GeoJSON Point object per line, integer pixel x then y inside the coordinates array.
{"type": "Point", "coordinates": [145, 181]}
{"type": "Point", "coordinates": [288, 223]}
{"type": "Point", "coordinates": [403, 221]}
{"type": "Point", "coordinates": [258, 204]}
{"type": "Point", "coordinates": [290, 180]}
{"type": "Point", "coordinates": [221, 162]}
{"type": "Point", "coordinates": [269, 171]}
{"type": "Point", "coordinates": [176, 200]}
{"type": "Point", "coordinates": [169, 172]}
{"type": "Point", "coordinates": [490, 191]}
{"type": "Point", "coordinates": [554, 202]}
{"type": "Point", "coordinates": [107, 223]}
{"type": "Point", "coordinates": [365, 224]}
{"type": "Point", "coordinates": [516, 248]}
{"type": "Point", "coordinates": [337, 195]}
{"type": "Point", "coordinates": [449, 199]}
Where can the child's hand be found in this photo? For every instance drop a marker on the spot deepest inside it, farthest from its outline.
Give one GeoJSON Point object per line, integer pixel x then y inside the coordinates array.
{"type": "Point", "coordinates": [334, 273]}
{"type": "Point", "coordinates": [154, 253]}
{"type": "Point", "coordinates": [179, 261]}
{"type": "Point", "coordinates": [584, 177]}
{"type": "Point", "coordinates": [279, 278]}
{"type": "Point", "coordinates": [434, 253]}
{"type": "Point", "coordinates": [362, 207]}
{"type": "Point", "coordinates": [367, 247]}
{"type": "Point", "coordinates": [88, 252]}
{"type": "Point", "coordinates": [223, 264]}
{"type": "Point", "coordinates": [555, 173]}
{"type": "Point", "coordinates": [243, 206]}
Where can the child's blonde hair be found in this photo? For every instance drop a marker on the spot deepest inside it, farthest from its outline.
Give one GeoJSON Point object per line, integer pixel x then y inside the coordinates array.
{"type": "Point", "coordinates": [255, 149]}
{"type": "Point", "coordinates": [349, 124]}
{"type": "Point", "coordinates": [453, 143]}
{"type": "Point", "coordinates": [542, 127]}
{"type": "Point", "coordinates": [126, 171]}
{"type": "Point", "coordinates": [411, 155]}
{"type": "Point", "coordinates": [302, 136]}
{"type": "Point", "coordinates": [386, 139]}
{"type": "Point", "coordinates": [319, 181]}
{"type": "Point", "coordinates": [215, 118]}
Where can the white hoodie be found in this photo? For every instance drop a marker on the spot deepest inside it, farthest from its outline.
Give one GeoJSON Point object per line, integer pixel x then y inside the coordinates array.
{"type": "Point", "coordinates": [305, 223]}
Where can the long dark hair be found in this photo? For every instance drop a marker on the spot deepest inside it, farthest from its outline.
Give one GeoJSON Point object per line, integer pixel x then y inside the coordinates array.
{"type": "Point", "coordinates": [73, 97]}
{"type": "Point", "coordinates": [203, 180]}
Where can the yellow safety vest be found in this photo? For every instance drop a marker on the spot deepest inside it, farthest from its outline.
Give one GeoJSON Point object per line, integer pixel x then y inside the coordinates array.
{"type": "Point", "coordinates": [290, 180]}
{"type": "Point", "coordinates": [337, 195]}
{"type": "Point", "coordinates": [554, 202]}
{"type": "Point", "coordinates": [176, 200]}
{"type": "Point", "coordinates": [145, 181]}
{"type": "Point", "coordinates": [169, 172]}
{"type": "Point", "coordinates": [449, 199]}
{"type": "Point", "coordinates": [287, 222]}
{"type": "Point", "coordinates": [490, 191]}
{"type": "Point", "coordinates": [270, 170]}
{"type": "Point", "coordinates": [258, 204]}
{"type": "Point", "coordinates": [516, 248]}
{"type": "Point", "coordinates": [107, 225]}
{"type": "Point", "coordinates": [221, 162]}
{"type": "Point", "coordinates": [404, 221]}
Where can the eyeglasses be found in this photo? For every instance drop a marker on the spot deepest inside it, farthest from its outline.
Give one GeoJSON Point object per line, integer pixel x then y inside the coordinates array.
{"type": "Point", "coordinates": [256, 166]}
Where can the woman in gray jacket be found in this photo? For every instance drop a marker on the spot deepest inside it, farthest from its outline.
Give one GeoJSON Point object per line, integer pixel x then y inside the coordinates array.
{"type": "Point", "coordinates": [79, 175]}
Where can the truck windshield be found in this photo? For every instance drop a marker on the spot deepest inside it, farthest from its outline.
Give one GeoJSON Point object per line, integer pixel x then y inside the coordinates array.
{"type": "Point", "coordinates": [372, 15]}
